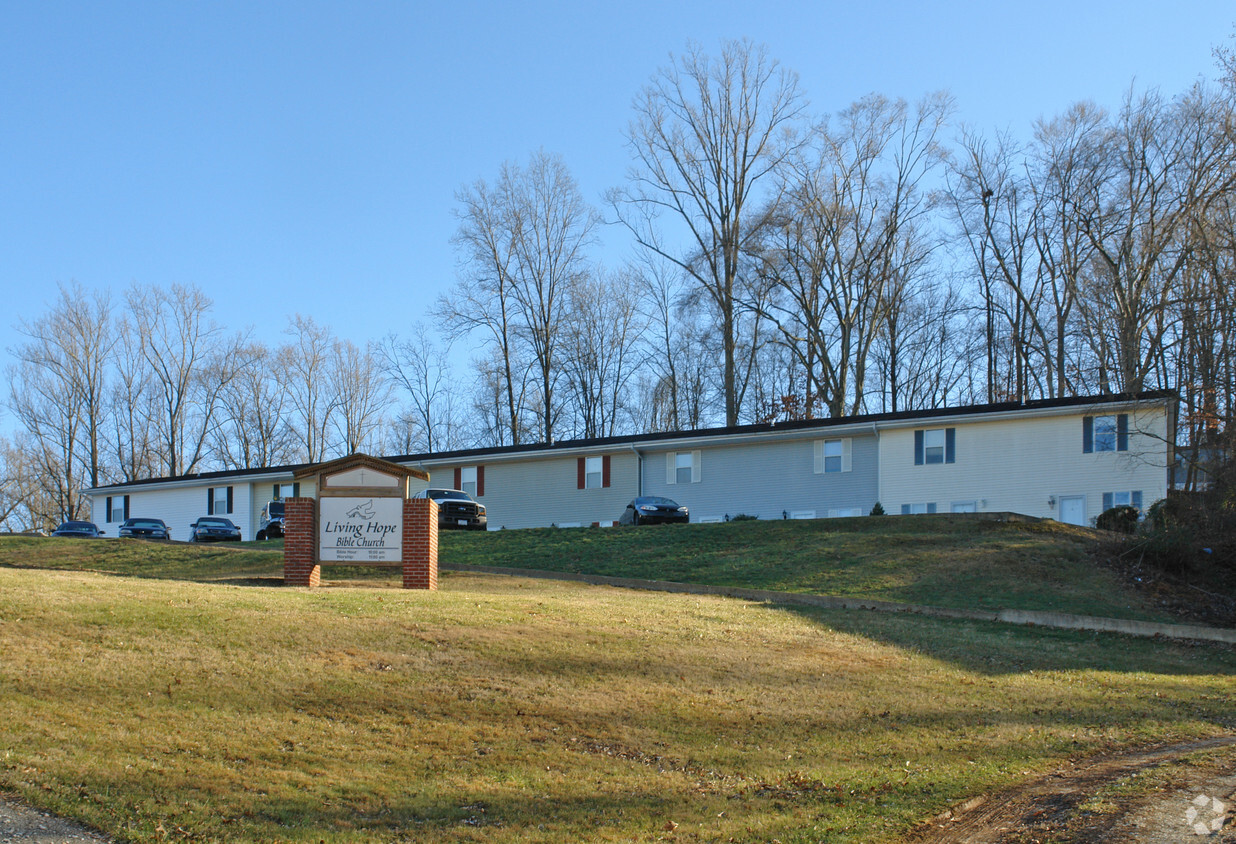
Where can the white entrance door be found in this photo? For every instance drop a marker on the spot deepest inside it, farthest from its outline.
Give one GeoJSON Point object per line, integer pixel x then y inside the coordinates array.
{"type": "Point", "coordinates": [1073, 509]}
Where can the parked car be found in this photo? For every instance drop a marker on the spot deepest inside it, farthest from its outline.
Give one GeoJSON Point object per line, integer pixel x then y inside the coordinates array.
{"type": "Point", "coordinates": [78, 529]}
{"type": "Point", "coordinates": [653, 510]}
{"type": "Point", "coordinates": [145, 529]}
{"type": "Point", "coordinates": [270, 525]}
{"type": "Point", "coordinates": [213, 529]}
{"type": "Point", "coordinates": [456, 509]}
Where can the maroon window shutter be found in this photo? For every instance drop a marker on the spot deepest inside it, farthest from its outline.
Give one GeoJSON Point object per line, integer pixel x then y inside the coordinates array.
{"type": "Point", "coordinates": [480, 481]}
{"type": "Point", "coordinates": [458, 478]}
{"type": "Point", "coordinates": [579, 473]}
{"type": "Point", "coordinates": [605, 471]}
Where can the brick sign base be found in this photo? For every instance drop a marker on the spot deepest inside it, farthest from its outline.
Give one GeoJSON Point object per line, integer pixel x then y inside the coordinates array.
{"type": "Point", "coordinates": [301, 566]}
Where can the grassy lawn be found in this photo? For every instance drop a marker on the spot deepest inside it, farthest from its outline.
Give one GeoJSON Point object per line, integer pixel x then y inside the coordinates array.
{"type": "Point", "coordinates": [508, 710]}
{"type": "Point", "coordinates": [942, 560]}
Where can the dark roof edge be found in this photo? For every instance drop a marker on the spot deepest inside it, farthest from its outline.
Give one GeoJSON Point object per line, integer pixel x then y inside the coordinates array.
{"type": "Point", "coordinates": [664, 436]}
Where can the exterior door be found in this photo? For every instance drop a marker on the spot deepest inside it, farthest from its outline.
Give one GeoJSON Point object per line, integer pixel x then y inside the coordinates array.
{"type": "Point", "coordinates": [1073, 509]}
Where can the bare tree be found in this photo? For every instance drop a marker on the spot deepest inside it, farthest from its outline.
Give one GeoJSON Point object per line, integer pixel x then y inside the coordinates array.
{"type": "Point", "coordinates": [67, 355]}
{"type": "Point", "coordinates": [426, 375]}
{"type": "Point", "coordinates": [305, 362]}
{"type": "Point", "coordinates": [192, 362]}
{"type": "Point", "coordinates": [601, 329]}
{"type": "Point", "coordinates": [849, 238]}
{"type": "Point", "coordinates": [996, 210]}
{"type": "Point", "coordinates": [484, 301]}
{"type": "Point", "coordinates": [134, 408]}
{"type": "Point", "coordinates": [707, 134]}
{"type": "Point", "coordinates": [524, 244]}
{"type": "Point", "coordinates": [253, 432]}
{"type": "Point", "coordinates": [1165, 163]}
{"type": "Point", "coordinates": [361, 389]}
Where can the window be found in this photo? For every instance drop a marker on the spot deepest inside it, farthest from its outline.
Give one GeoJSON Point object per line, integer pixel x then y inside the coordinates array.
{"type": "Point", "coordinates": [845, 512]}
{"type": "Point", "coordinates": [910, 509]}
{"type": "Point", "coordinates": [935, 445]}
{"type": "Point", "coordinates": [1105, 433]}
{"type": "Point", "coordinates": [117, 508]}
{"type": "Point", "coordinates": [218, 500]}
{"type": "Point", "coordinates": [682, 467]}
{"type": "Point", "coordinates": [471, 479]}
{"type": "Point", "coordinates": [282, 491]}
{"type": "Point", "coordinates": [592, 472]}
{"type": "Point", "coordinates": [964, 507]}
{"type": "Point", "coordinates": [832, 456]}
{"type": "Point", "coordinates": [1129, 498]}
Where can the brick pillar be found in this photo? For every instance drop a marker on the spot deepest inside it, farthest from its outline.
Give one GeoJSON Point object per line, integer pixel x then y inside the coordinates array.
{"type": "Point", "coordinates": [420, 543]}
{"type": "Point", "coordinates": [300, 543]}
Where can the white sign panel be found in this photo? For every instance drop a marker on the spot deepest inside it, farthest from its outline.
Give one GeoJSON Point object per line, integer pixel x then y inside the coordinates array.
{"type": "Point", "coordinates": [360, 530]}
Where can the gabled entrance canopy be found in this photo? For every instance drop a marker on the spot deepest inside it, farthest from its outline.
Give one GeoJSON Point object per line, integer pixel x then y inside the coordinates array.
{"type": "Point", "coordinates": [347, 475]}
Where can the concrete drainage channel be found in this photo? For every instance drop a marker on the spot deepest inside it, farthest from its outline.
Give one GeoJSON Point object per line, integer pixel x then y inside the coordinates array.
{"type": "Point", "coordinates": [1029, 618]}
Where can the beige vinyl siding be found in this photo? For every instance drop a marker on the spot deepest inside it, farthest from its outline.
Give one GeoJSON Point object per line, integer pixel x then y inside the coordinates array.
{"type": "Point", "coordinates": [1020, 465]}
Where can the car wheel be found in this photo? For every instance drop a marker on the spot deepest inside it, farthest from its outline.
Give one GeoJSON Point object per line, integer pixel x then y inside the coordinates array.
{"type": "Point", "coordinates": [261, 537]}
{"type": "Point", "coordinates": [635, 520]}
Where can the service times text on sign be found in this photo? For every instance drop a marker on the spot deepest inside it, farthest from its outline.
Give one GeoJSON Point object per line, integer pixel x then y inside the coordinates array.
{"type": "Point", "coordinates": [360, 530]}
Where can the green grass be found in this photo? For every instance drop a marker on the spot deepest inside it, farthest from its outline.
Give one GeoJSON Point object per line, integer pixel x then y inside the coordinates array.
{"type": "Point", "coordinates": [507, 710]}
{"type": "Point", "coordinates": [947, 561]}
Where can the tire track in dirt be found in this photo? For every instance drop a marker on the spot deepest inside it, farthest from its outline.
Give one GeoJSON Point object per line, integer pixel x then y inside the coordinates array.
{"type": "Point", "coordinates": [1043, 808]}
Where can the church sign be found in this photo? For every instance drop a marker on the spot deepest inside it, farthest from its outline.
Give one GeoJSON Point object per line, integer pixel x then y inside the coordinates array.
{"type": "Point", "coordinates": [360, 530]}
{"type": "Point", "coordinates": [362, 515]}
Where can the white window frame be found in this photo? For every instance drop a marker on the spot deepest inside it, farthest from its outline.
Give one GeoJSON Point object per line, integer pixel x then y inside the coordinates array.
{"type": "Point", "coordinates": [594, 468]}
{"type": "Point", "coordinates": [117, 511]}
{"type": "Point", "coordinates": [675, 460]}
{"type": "Point", "coordinates": [1106, 433]}
{"type": "Point", "coordinates": [935, 446]}
{"type": "Point", "coordinates": [833, 456]}
{"type": "Point", "coordinates": [918, 508]}
{"type": "Point", "coordinates": [219, 495]}
{"type": "Point", "coordinates": [467, 480]}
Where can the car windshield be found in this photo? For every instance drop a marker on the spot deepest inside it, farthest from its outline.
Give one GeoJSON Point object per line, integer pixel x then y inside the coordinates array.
{"type": "Point", "coordinates": [275, 509]}
{"type": "Point", "coordinates": [144, 523]}
{"type": "Point", "coordinates": [76, 526]}
{"type": "Point", "coordinates": [448, 493]}
{"type": "Point", "coordinates": [214, 523]}
{"type": "Point", "coordinates": [656, 501]}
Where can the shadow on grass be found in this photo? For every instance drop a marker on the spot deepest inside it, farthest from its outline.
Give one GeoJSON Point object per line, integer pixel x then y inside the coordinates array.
{"type": "Point", "coordinates": [998, 648]}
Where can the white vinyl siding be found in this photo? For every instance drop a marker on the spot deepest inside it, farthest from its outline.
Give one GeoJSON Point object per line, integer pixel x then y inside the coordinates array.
{"type": "Point", "coordinates": [682, 467]}
{"type": "Point", "coordinates": [833, 456]}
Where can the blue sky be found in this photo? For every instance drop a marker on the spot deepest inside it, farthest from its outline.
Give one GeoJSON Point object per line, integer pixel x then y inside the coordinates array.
{"type": "Point", "coordinates": [304, 156]}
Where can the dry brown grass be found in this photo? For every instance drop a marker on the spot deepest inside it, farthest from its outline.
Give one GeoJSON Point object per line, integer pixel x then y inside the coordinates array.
{"type": "Point", "coordinates": [517, 711]}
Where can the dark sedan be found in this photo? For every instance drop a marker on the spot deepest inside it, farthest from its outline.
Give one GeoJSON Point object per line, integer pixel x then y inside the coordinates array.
{"type": "Point", "coordinates": [145, 529]}
{"type": "Point", "coordinates": [213, 529]}
{"type": "Point", "coordinates": [78, 529]}
{"type": "Point", "coordinates": [654, 510]}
